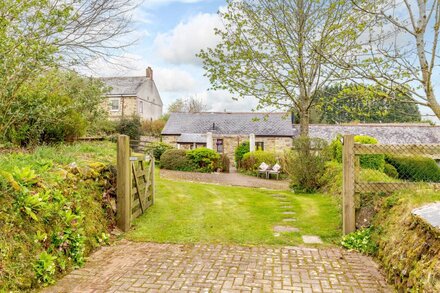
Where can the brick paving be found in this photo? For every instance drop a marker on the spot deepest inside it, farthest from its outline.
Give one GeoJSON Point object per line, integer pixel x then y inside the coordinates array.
{"type": "Point", "coordinates": [233, 179]}
{"type": "Point", "coordinates": [152, 267]}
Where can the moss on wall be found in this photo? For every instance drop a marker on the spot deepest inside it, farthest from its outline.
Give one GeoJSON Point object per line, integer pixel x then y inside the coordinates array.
{"type": "Point", "coordinates": [409, 248]}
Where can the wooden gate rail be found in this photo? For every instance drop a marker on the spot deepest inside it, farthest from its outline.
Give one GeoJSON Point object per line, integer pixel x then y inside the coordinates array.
{"type": "Point", "coordinates": [135, 183]}
{"type": "Point", "coordinates": [352, 184]}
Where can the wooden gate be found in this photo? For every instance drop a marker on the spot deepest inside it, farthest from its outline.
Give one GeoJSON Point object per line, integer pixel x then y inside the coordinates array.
{"type": "Point", "coordinates": [135, 183]}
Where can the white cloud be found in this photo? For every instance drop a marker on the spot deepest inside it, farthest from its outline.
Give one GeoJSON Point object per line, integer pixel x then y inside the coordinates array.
{"type": "Point", "coordinates": [181, 44]}
{"type": "Point", "coordinates": [173, 80]}
{"type": "Point", "coordinates": [219, 101]}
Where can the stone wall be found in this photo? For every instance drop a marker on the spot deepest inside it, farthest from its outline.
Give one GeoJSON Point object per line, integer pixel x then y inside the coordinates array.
{"type": "Point", "coordinates": [127, 108]}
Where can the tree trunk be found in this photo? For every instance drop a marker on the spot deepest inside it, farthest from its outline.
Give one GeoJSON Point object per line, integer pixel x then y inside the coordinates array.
{"type": "Point", "coordinates": [304, 120]}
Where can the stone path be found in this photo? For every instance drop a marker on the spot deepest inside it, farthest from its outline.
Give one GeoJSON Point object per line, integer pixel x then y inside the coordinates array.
{"type": "Point", "coordinates": [288, 210]}
{"type": "Point", "coordinates": [234, 179]}
{"type": "Point", "coordinates": [151, 267]}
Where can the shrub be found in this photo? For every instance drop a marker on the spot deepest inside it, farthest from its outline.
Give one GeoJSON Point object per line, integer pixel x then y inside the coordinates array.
{"type": "Point", "coordinates": [153, 127]}
{"type": "Point", "coordinates": [391, 171]}
{"type": "Point", "coordinates": [130, 126]}
{"type": "Point", "coordinates": [361, 241]}
{"type": "Point", "coordinates": [252, 160]}
{"type": "Point", "coordinates": [376, 162]}
{"type": "Point", "coordinates": [176, 160]}
{"type": "Point", "coordinates": [331, 179]}
{"type": "Point", "coordinates": [305, 164]}
{"type": "Point", "coordinates": [205, 159]}
{"type": "Point", "coordinates": [242, 149]}
{"type": "Point", "coordinates": [157, 148]}
{"type": "Point", "coordinates": [223, 164]}
{"type": "Point", "coordinates": [416, 168]}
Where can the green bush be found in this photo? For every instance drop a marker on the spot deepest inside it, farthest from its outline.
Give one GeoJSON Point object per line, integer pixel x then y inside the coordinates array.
{"type": "Point", "coordinates": [416, 168]}
{"type": "Point", "coordinates": [58, 105]}
{"type": "Point", "coordinates": [130, 126]}
{"type": "Point", "coordinates": [157, 148]}
{"type": "Point", "coordinates": [176, 160]}
{"type": "Point", "coordinates": [361, 241]}
{"type": "Point", "coordinates": [376, 162]}
{"type": "Point", "coordinates": [252, 160]}
{"type": "Point", "coordinates": [391, 171]}
{"type": "Point", "coordinates": [305, 163]}
{"type": "Point", "coordinates": [223, 164]}
{"type": "Point", "coordinates": [242, 149]}
{"type": "Point", "coordinates": [205, 159]}
{"type": "Point", "coordinates": [52, 214]}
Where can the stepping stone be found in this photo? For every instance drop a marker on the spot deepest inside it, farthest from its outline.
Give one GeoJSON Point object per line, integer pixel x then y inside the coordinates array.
{"type": "Point", "coordinates": [285, 229]}
{"type": "Point", "coordinates": [289, 220]}
{"type": "Point", "coordinates": [288, 213]}
{"type": "Point", "coordinates": [286, 207]}
{"type": "Point", "coordinates": [276, 234]}
{"type": "Point", "coordinates": [311, 239]}
{"type": "Point", "coordinates": [279, 196]}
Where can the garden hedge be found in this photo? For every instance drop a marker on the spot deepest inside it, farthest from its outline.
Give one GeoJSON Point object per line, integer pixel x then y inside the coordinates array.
{"type": "Point", "coordinates": [176, 160]}
{"type": "Point", "coordinates": [252, 160]}
{"type": "Point", "coordinates": [376, 162]}
{"type": "Point", "coordinates": [416, 168]}
{"type": "Point", "coordinates": [157, 148]}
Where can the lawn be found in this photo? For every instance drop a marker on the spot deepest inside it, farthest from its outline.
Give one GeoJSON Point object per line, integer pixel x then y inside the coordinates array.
{"type": "Point", "coordinates": [187, 212]}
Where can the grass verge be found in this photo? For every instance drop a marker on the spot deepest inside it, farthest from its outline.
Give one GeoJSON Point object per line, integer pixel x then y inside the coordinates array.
{"type": "Point", "coordinates": [186, 212]}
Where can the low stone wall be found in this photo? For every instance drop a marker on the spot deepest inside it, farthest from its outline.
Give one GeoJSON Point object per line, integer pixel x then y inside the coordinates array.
{"type": "Point", "coordinates": [408, 245]}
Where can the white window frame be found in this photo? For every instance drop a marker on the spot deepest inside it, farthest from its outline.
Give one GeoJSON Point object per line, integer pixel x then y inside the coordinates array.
{"type": "Point", "coordinates": [110, 104]}
{"type": "Point", "coordinates": [141, 107]}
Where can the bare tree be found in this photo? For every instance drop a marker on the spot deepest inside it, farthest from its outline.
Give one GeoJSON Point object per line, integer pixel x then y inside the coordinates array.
{"type": "Point", "coordinates": [188, 105]}
{"type": "Point", "coordinates": [36, 35]}
{"type": "Point", "coordinates": [273, 50]}
{"type": "Point", "coordinates": [401, 50]}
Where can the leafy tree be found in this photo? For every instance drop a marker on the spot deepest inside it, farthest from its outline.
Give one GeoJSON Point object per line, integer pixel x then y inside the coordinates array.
{"type": "Point", "coordinates": [276, 50]}
{"type": "Point", "coordinates": [364, 103]}
{"type": "Point", "coordinates": [39, 34]}
{"type": "Point", "coordinates": [56, 106]}
{"type": "Point", "coordinates": [400, 50]}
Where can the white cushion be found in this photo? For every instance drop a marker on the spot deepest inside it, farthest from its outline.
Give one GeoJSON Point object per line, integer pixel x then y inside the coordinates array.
{"type": "Point", "coordinates": [263, 166]}
{"type": "Point", "coordinates": [276, 167]}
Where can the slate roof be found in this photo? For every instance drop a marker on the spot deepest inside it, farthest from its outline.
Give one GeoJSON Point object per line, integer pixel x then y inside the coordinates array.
{"type": "Point", "coordinates": [261, 124]}
{"type": "Point", "coordinates": [384, 133]}
{"type": "Point", "coordinates": [188, 125]}
{"type": "Point", "coordinates": [127, 86]}
{"type": "Point", "coordinates": [192, 138]}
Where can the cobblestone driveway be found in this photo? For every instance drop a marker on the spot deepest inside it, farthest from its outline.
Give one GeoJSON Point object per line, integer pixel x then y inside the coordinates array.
{"type": "Point", "coordinates": [151, 267]}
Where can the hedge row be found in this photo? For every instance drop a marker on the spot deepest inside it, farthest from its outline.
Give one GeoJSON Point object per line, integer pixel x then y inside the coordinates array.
{"type": "Point", "coordinates": [199, 160]}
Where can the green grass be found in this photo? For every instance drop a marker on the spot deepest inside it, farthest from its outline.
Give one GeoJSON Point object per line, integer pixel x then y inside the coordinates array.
{"type": "Point", "coordinates": [187, 212]}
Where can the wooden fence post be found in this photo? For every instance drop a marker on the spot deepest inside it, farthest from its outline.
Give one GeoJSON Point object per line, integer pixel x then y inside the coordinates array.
{"type": "Point", "coordinates": [349, 218]}
{"type": "Point", "coordinates": [153, 188]}
{"type": "Point", "coordinates": [123, 182]}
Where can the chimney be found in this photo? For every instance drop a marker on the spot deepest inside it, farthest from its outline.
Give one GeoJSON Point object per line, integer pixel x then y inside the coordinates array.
{"type": "Point", "coordinates": [149, 73]}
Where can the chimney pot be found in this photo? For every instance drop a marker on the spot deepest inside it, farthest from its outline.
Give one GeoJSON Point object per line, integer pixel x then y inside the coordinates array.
{"type": "Point", "coordinates": [149, 73]}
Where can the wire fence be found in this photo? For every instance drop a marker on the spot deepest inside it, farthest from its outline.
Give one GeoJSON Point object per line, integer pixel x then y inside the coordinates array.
{"type": "Point", "coordinates": [387, 168]}
{"type": "Point", "coordinates": [383, 169]}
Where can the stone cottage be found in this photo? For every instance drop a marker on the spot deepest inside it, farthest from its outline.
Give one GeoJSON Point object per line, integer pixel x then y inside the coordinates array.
{"type": "Point", "coordinates": [224, 131]}
{"type": "Point", "coordinates": [136, 95]}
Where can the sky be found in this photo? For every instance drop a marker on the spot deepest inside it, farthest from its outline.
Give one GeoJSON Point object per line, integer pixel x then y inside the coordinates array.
{"type": "Point", "coordinates": [170, 33]}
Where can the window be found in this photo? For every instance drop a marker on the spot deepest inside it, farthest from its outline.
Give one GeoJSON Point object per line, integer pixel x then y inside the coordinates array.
{"type": "Point", "coordinates": [114, 104]}
{"type": "Point", "coordinates": [219, 144]}
{"type": "Point", "coordinates": [259, 146]}
{"type": "Point", "coordinates": [141, 107]}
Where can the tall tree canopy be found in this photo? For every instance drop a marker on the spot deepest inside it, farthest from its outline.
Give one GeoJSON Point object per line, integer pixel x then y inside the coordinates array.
{"type": "Point", "coordinates": [401, 48]}
{"type": "Point", "coordinates": [36, 35]}
{"type": "Point", "coordinates": [274, 50]}
{"type": "Point", "coordinates": [363, 103]}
